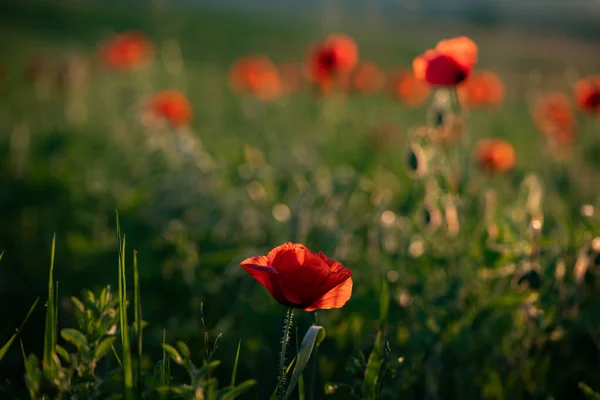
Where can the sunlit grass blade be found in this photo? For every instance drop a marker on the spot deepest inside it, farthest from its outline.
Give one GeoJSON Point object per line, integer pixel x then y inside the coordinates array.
{"type": "Point", "coordinates": [7, 345]}
{"type": "Point", "coordinates": [1, 255]}
{"type": "Point", "coordinates": [301, 395]}
{"type": "Point", "coordinates": [137, 304]}
{"type": "Point", "coordinates": [165, 370]}
{"type": "Point", "coordinates": [51, 314]}
{"type": "Point", "coordinates": [124, 328]}
{"type": "Point", "coordinates": [235, 364]}
{"type": "Point", "coordinates": [313, 337]}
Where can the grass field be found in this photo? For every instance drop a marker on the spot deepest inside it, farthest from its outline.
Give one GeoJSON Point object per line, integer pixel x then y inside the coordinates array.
{"type": "Point", "coordinates": [466, 316]}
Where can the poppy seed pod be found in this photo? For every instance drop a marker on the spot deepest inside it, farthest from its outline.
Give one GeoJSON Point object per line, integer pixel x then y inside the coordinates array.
{"type": "Point", "coordinates": [431, 217]}
{"type": "Point", "coordinates": [416, 161]}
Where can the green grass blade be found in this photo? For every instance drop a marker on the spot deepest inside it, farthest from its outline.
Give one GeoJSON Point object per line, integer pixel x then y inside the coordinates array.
{"type": "Point", "coordinates": [1, 255]}
{"type": "Point", "coordinates": [235, 364]}
{"type": "Point", "coordinates": [301, 394]}
{"type": "Point", "coordinates": [313, 337]}
{"type": "Point", "coordinates": [7, 345]}
{"type": "Point", "coordinates": [164, 380]}
{"type": "Point", "coordinates": [128, 393]}
{"type": "Point", "coordinates": [137, 304]}
{"type": "Point", "coordinates": [51, 317]}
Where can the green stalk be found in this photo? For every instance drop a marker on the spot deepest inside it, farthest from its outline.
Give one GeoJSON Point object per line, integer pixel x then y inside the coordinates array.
{"type": "Point", "coordinates": [51, 317]}
{"type": "Point", "coordinates": [315, 364]}
{"type": "Point", "coordinates": [137, 318]}
{"type": "Point", "coordinates": [128, 393]}
{"type": "Point", "coordinates": [287, 325]}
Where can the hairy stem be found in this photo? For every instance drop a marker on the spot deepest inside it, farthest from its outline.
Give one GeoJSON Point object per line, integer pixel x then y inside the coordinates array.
{"type": "Point", "coordinates": [287, 325]}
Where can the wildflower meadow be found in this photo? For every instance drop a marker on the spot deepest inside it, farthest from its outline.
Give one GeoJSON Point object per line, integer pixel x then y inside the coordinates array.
{"type": "Point", "coordinates": [212, 203]}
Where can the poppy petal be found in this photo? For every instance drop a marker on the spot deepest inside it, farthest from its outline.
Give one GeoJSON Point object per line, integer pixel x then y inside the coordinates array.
{"type": "Point", "coordinates": [335, 298]}
{"type": "Point", "coordinates": [266, 276]}
{"type": "Point", "coordinates": [306, 285]}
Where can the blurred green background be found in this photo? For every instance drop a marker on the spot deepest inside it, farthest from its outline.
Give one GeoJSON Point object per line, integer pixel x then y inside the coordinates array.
{"type": "Point", "coordinates": [196, 204]}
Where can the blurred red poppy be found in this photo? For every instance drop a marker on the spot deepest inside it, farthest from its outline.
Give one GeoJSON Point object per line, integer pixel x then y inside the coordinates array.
{"type": "Point", "coordinates": [368, 78]}
{"type": "Point", "coordinates": [449, 64]}
{"type": "Point", "coordinates": [482, 89]}
{"type": "Point", "coordinates": [331, 61]}
{"type": "Point", "coordinates": [495, 155]}
{"type": "Point", "coordinates": [407, 88]}
{"type": "Point", "coordinates": [171, 105]}
{"type": "Point", "coordinates": [257, 75]}
{"type": "Point", "coordinates": [126, 51]}
{"type": "Point", "coordinates": [587, 94]}
{"type": "Point", "coordinates": [291, 77]}
{"type": "Point", "coordinates": [298, 278]}
{"type": "Point", "coordinates": [554, 117]}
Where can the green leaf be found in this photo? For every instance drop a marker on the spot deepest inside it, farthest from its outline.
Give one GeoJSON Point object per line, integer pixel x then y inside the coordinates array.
{"type": "Point", "coordinates": [373, 364]}
{"type": "Point", "coordinates": [287, 370]}
{"type": "Point", "coordinates": [137, 317]}
{"type": "Point", "coordinates": [61, 351]}
{"type": "Point", "coordinates": [7, 345]}
{"type": "Point", "coordinates": [51, 317]}
{"type": "Point", "coordinates": [313, 337]}
{"type": "Point", "coordinates": [589, 392]}
{"type": "Point", "coordinates": [184, 350]}
{"type": "Point", "coordinates": [104, 347]}
{"type": "Point", "coordinates": [74, 337]}
{"type": "Point", "coordinates": [235, 364]}
{"type": "Point", "coordinates": [173, 353]}
{"type": "Point", "coordinates": [239, 389]}
{"type": "Point", "coordinates": [78, 304]}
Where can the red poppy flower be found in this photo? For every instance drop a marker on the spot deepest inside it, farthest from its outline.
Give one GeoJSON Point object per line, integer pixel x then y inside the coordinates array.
{"type": "Point", "coordinates": [483, 89]}
{"type": "Point", "coordinates": [587, 94]}
{"type": "Point", "coordinates": [298, 278]}
{"type": "Point", "coordinates": [257, 75]}
{"type": "Point", "coordinates": [407, 88]}
{"type": "Point", "coordinates": [127, 51]}
{"type": "Point", "coordinates": [449, 64]}
{"type": "Point", "coordinates": [495, 155]}
{"type": "Point", "coordinates": [554, 117]}
{"type": "Point", "coordinates": [171, 105]}
{"type": "Point", "coordinates": [368, 78]}
{"type": "Point", "coordinates": [331, 61]}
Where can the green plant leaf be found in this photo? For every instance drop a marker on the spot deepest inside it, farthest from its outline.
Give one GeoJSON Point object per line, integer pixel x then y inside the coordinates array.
{"type": "Point", "coordinates": [384, 302]}
{"type": "Point", "coordinates": [373, 365]}
{"type": "Point", "coordinates": [589, 392]}
{"type": "Point", "coordinates": [173, 353]}
{"type": "Point", "coordinates": [51, 317]}
{"type": "Point", "coordinates": [239, 389]}
{"type": "Point", "coordinates": [74, 337]}
{"type": "Point", "coordinates": [61, 351]}
{"type": "Point", "coordinates": [235, 364]}
{"type": "Point", "coordinates": [184, 350]}
{"type": "Point", "coordinates": [313, 337]}
{"type": "Point", "coordinates": [10, 341]}
{"type": "Point", "coordinates": [104, 347]}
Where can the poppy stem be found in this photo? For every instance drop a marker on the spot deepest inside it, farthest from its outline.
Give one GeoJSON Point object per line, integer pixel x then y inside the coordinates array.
{"type": "Point", "coordinates": [315, 365]}
{"type": "Point", "coordinates": [287, 325]}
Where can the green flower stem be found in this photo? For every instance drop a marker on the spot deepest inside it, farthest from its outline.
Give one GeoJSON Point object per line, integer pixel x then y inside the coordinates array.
{"type": "Point", "coordinates": [287, 325]}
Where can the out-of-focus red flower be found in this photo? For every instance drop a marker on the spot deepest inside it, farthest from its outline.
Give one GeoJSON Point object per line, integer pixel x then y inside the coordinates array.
{"type": "Point", "coordinates": [126, 51]}
{"type": "Point", "coordinates": [368, 78]}
{"type": "Point", "coordinates": [257, 75]}
{"type": "Point", "coordinates": [171, 105]}
{"type": "Point", "coordinates": [448, 64]}
{"type": "Point", "coordinates": [495, 155]}
{"type": "Point", "coordinates": [554, 117]}
{"type": "Point", "coordinates": [298, 278]}
{"type": "Point", "coordinates": [331, 61]}
{"type": "Point", "coordinates": [587, 94]}
{"type": "Point", "coordinates": [407, 88]}
{"type": "Point", "coordinates": [482, 89]}
{"type": "Point", "coordinates": [291, 77]}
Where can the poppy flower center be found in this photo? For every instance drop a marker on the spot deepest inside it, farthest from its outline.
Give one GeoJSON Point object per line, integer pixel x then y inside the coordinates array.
{"type": "Point", "coordinates": [328, 60]}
